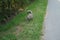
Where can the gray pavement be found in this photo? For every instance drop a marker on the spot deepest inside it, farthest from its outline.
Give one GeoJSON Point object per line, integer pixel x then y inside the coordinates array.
{"type": "Point", "coordinates": [52, 21]}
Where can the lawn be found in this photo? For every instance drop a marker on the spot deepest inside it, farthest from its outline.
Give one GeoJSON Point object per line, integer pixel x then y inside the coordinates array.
{"type": "Point", "coordinates": [20, 29]}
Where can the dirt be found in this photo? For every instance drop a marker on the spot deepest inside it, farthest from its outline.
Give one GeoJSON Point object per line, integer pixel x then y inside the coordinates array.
{"type": "Point", "coordinates": [18, 30]}
{"type": "Point", "coordinates": [14, 30]}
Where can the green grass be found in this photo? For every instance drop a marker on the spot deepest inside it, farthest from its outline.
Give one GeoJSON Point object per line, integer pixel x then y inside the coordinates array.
{"type": "Point", "coordinates": [27, 30]}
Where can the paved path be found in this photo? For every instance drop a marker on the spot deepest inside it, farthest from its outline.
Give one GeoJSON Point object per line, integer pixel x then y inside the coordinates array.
{"type": "Point", "coordinates": [52, 21]}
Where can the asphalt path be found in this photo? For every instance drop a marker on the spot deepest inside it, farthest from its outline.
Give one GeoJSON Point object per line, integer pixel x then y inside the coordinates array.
{"type": "Point", "coordinates": [52, 21]}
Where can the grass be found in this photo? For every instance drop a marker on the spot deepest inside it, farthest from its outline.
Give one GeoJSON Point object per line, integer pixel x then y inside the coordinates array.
{"type": "Point", "coordinates": [20, 29]}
